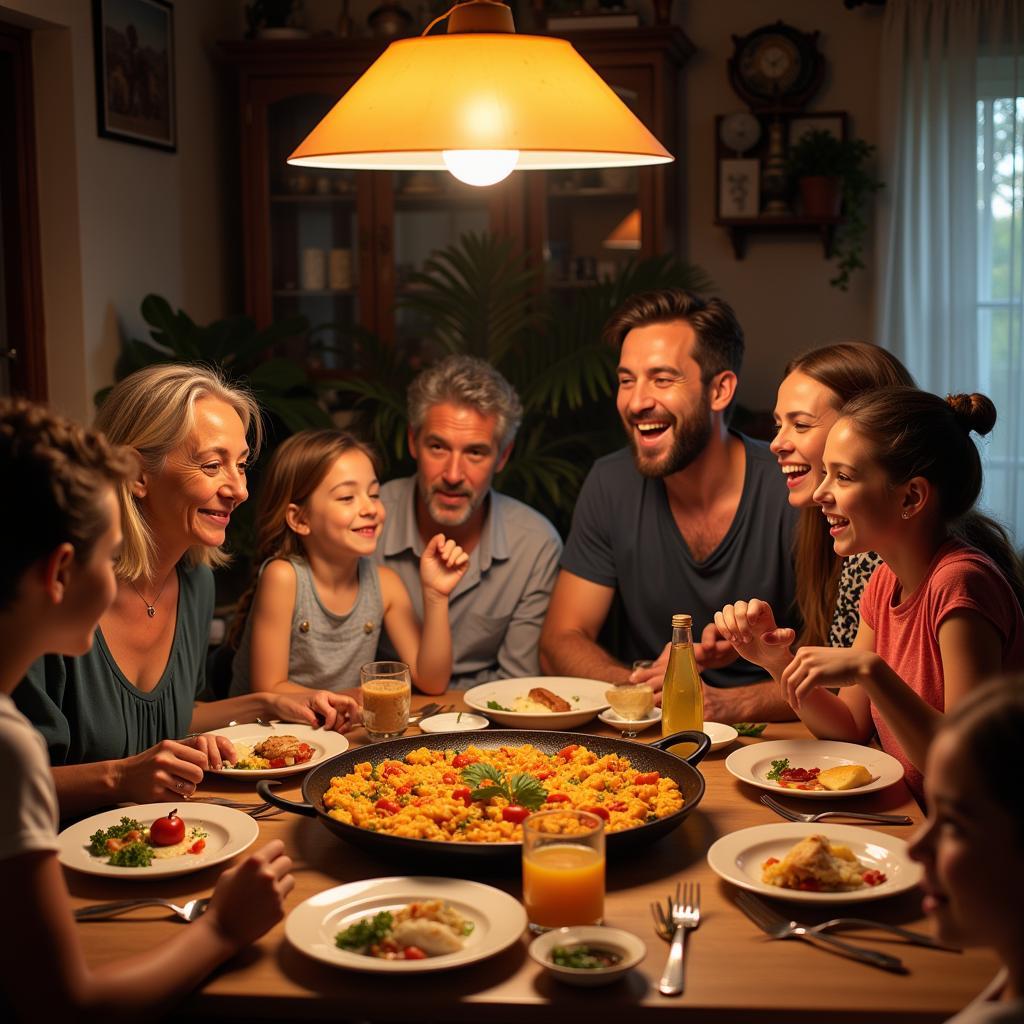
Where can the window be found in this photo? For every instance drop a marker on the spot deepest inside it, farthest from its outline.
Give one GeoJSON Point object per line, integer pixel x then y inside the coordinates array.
{"type": "Point", "coordinates": [1000, 284]}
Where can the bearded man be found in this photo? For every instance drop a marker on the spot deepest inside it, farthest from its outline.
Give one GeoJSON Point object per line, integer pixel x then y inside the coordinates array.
{"type": "Point", "coordinates": [690, 517]}
{"type": "Point", "coordinates": [463, 418]}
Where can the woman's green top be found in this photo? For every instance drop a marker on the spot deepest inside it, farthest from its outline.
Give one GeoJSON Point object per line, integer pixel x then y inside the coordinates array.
{"type": "Point", "coordinates": [88, 711]}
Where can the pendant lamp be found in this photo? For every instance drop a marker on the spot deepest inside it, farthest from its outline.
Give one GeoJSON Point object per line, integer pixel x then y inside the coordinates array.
{"type": "Point", "coordinates": [479, 101]}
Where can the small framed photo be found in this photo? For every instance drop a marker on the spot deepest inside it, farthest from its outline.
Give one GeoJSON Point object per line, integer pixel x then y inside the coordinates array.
{"type": "Point", "coordinates": [739, 188]}
{"type": "Point", "coordinates": [133, 44]}
{"type": "Point", "coordinates": [833, 122]}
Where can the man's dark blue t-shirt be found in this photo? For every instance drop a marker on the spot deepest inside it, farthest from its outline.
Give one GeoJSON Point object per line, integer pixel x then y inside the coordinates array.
{"type": "Point", "coordinates": [624, 536]}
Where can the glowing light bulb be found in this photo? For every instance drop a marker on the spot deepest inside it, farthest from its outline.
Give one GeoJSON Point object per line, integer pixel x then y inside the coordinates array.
{"type": "Point", "coordinates": [481, 166]}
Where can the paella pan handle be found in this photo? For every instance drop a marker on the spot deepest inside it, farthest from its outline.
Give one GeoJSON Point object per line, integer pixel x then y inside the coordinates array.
{"type": "Point", "coordinates": [702, 740]}
{"type": "Point", "coordinates": [265, 788]}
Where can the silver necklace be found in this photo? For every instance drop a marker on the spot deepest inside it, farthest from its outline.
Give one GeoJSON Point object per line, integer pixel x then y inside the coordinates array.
{"type": "Point", "coordinates": [150, 608]}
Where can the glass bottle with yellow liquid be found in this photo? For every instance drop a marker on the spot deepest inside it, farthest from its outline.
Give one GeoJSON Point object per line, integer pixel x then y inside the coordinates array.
{"type": "Point", "coordinates": [682, 698]}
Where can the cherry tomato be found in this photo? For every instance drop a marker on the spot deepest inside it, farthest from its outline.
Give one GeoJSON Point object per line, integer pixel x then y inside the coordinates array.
{"type": "Point", "coordinates": [647, 778]}
{"type": "Point", "coordinates": [515, 813]}
{"type": "Point", "coordinates": [387, 806]}
{"type": "Point", "coordinates": [461, 760]}
{"type": "Point", "coordinates": [567, 752]}
{"type": "Point", "coordinates": [556, 798]}
{"type": "Point", "coordinates": [390, 769]}
{"type": "Point", "coordinates": [462, 793]}
{"type": "Point", "coordinates": [601, 812]}
{"type": "Point", "coordinates": [402, 790]}
{"type": "Point", "coordinates": [198, 846]}
{"type": "Point", "coordinates": [167, 831]}
{"type": "Point", "coordinates": [873, 877]}
{"type": "Point", "coordinates": [414, 953]}
{"type": "Point", "coordinates": [449, 777]}
{"type": "Point", "coordinates": [542, 775]}
{"type": "Point", "coordinates": [279, 762]}
{"type": "Point", "coordinates": [619, 805]}
{"type": "Point", "coordinates": [771, 860]}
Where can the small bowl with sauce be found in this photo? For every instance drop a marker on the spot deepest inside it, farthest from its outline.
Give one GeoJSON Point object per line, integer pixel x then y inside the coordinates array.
{"type": "Point", "coordinates": [588, 955]}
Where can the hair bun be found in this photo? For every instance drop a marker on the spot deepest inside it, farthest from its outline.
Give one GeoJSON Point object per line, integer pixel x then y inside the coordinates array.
{"type": "Point", "coordinates": [973, 412]}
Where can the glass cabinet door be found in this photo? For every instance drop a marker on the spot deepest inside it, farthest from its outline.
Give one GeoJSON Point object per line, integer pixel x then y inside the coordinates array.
{"type": "Point", "coordinates": [313, 236]}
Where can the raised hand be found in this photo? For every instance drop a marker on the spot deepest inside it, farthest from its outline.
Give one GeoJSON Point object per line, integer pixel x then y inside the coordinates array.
{"type": "Point", "coordinates": [713, 651]}
{"type": "Point", "coordinates": [442, 565]}
{"type": "Point", "coordinates": [249, 898]}
{"type": "Point", "coordinates": [751, 629]}
{"type": "Point", "coordinates": [814, 667]}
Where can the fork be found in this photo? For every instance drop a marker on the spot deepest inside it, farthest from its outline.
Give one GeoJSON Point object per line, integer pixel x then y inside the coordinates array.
{"type": "Point", "coordinates": [683, 913]}
{"type": "Point", "coordinates": [257, 811]}
{"type": "Point", "coordinates": [100, 911]}
{"type": "Point", "coordinates": [775, 925]}
{"type": "Point", "coordinates": [424, 712]}
{"type": "Point", "coordinates": [880, 819]}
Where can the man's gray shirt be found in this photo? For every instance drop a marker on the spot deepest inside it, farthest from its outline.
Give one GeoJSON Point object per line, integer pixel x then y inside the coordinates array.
{"type": "Point", "coordinates": [498, 607]}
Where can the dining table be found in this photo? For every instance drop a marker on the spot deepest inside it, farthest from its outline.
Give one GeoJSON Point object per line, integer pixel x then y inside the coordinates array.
{"type": "Point", "coordinates": [734, 972]}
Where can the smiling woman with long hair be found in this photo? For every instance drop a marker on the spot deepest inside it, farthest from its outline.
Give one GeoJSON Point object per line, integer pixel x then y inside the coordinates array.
{"type": "Point", "coordinates": [121, 720]}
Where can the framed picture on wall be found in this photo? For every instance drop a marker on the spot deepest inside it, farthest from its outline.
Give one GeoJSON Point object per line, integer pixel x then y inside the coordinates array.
{"type": "Point", "coordinates": [833, 122]}
{"type": "Point", "coordinates": [739, 188]}
{"type": "Point", "coordinates": [133, 43]}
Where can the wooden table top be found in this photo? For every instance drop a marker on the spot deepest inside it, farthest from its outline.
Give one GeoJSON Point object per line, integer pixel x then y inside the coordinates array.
{"type": "Point", "coordinates": [734, 972]}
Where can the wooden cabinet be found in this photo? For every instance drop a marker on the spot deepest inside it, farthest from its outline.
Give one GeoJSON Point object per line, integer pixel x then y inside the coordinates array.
{"type": "Point", "coordinates": [338, 246]}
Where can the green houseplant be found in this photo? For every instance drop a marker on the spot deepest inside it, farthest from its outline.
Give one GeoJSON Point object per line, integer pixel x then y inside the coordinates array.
{"type": "Point", "coordinates": [480, 296]}
{"type": "Point", "coordinates": [832, 174]}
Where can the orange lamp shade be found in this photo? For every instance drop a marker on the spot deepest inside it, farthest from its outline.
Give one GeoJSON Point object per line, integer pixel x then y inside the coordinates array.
{"type": "Point", "coordinates": [627, 233]}
{"type": "Point", "coordinates": [479, 91]}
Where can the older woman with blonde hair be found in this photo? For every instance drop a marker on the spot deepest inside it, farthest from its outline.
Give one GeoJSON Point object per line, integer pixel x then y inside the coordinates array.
{"type": "Point", "coordinates": [121, 721]}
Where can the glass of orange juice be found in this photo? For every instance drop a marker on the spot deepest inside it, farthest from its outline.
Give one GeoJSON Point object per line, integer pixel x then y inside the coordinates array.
{"type": "Point", "coordinates": [386, 688]}
{"type": "Point", "coordinates": [563, 869]}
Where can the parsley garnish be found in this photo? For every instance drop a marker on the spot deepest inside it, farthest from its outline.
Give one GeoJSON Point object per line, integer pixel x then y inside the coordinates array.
{"type": "Point", "coordinates": [360, 936]}
{"type": "Point", "coordinates": [486, 782]}
{"type": "Point", "coordinates": [98, 840]}
{"type": "Point", "coordinates": [495, 706]}
{"type": "Point", "coordinates": [778, 767]}
{"type": "Point", "coordinates": [134, 855]}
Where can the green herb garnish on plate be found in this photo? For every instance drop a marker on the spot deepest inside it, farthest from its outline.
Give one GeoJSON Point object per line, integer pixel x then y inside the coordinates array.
{"type": "Point", "coordinates": [493, 705]}
{"type": "Point", "coordinates": [778, 767]}
{"type": "Point", "coordinates": [98, 840]}
{"type": "Point", "coordinates": [365, 933]}
{"type": "Point", "coordinates": [750, 728]}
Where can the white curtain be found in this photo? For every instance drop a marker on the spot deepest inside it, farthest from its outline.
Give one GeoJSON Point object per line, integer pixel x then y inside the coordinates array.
{"type": "Point", "coordinates": [951, 272]}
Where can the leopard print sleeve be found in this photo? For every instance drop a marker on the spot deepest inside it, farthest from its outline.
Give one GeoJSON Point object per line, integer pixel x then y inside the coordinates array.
{"type": "Point", "coordinates": [853, 578]}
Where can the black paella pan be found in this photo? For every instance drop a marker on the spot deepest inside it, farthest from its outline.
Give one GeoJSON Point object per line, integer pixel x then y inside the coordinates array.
{"type": "Point", "coordinates": [644, 757]}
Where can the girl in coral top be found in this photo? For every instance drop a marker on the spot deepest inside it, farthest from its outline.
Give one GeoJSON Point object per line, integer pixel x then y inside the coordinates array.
{"type": "Point", "coordinates": [943, 611]}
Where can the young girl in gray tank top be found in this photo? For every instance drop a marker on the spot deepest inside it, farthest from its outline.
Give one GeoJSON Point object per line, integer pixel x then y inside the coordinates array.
{"type": "Point", "coordinates": [313, 615]}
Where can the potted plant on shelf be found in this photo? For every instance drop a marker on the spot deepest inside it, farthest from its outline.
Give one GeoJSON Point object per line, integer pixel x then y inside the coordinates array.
{"type": "Point", "coordinates": [833, 178]}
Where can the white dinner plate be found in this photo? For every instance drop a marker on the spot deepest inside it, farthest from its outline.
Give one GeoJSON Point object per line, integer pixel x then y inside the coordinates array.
{"type": "Point", "coordinates": [228, 832]}
{"type": "Point", "coordinates": [611, 717]}
{"type": "Point", "coordinates": [585, 695]}
{"type": "Point", "coordinates": [753, 762]}
{"type": "Point", "coordinates": [498, 920]}
{"type": "Point", "coordinates": [739, 856]}
{"type": "Point", "coordinates": [325, 744]}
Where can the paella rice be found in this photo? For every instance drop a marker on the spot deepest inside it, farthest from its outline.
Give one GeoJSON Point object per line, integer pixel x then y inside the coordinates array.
{"type": "Point", "coordinates": [436, 795]}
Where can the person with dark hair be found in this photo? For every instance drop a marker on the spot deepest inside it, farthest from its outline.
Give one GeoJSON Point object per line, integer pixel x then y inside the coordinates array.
{"type": "Point", "coordinates": [943, 612]}
{"type": "Point", "coordinates": [463, 418]}
{"type": "Point", "coordinates": [686, 517]}
{"type": "Point", "coordinates": [318, 601]}
{"type": "Point", "coordinates": [972, 845]}
{"type": "Point", "coordinates": [56, 579]}
{"type": "Point", "coordinates": [828, 587]}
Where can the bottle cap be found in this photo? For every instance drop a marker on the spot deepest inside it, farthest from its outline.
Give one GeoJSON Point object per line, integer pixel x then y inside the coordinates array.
{"type": "Point", "coordinates": [682, 620]}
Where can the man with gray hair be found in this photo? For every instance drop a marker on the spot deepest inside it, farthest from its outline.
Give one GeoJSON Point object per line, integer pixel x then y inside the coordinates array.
{"type": "Point", "coordinates": [463, 418]}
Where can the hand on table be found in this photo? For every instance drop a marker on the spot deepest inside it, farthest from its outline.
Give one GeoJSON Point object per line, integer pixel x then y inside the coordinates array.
{"type": "Point", "coordinates": [249, 898]}
{"type": "Point", "coordinates": [171, 769]}
{"type": "Point", "coordinates": [337, 711]}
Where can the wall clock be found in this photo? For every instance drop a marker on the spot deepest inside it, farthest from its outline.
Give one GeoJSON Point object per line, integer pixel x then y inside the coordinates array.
{"type": "Point", "coordinates": [776, 67]}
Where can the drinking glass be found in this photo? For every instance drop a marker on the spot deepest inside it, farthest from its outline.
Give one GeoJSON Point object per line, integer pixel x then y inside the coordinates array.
{"type": "Point", "coordinates": [387, 694]}
{"type": "Point", "coordinates": [563, 869]}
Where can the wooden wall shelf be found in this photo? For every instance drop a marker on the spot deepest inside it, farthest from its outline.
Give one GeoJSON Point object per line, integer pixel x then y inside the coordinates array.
{"type": "Point", "coordinates": [740, 227]}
